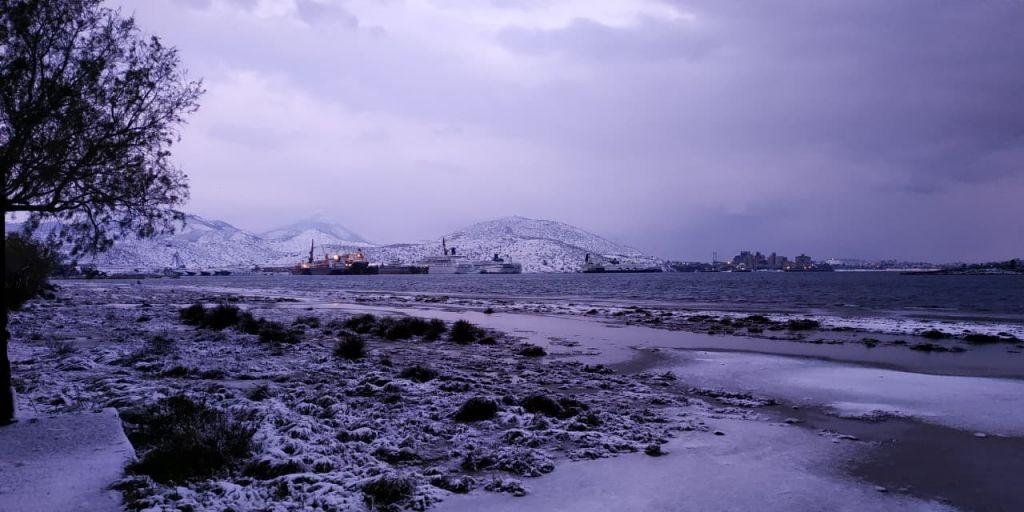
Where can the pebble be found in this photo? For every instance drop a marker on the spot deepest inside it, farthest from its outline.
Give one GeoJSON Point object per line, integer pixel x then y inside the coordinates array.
{"type": "Point", "coordinates": [792, 421]}
{"type": "Point", "coordinates": [719, 433]}
{"type": "Point", "coordinates": [980, 435]}
{"type": "Point", "coordinates": [879, 488]}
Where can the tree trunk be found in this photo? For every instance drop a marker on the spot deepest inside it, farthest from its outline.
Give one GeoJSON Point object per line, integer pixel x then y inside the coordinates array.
{"type": "Point", "coordinates": [6, 391]}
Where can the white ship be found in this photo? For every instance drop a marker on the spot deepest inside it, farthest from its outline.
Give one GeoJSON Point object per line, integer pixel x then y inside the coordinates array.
{"type": "Point", "coordinates": [497, 265]}
{"type": "Point", "coordinates": [448, 263]}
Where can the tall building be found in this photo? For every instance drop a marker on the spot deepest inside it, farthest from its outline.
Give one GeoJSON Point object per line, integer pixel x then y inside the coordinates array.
{"type": "Point", "coordinates": [803, 261]}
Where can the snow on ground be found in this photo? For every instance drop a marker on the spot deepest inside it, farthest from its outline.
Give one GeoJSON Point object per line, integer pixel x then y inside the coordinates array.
{"type": "Point", "coordinates": [63, 464]}
{"type": "Point", "coordinates": [329, 426]}
{"type": "Point", "coordinates": [753, 466]}
{"type": "Point", "coordinates": [992, 406]}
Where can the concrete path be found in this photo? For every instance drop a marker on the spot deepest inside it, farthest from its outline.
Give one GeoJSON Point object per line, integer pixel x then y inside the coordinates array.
{"type": "Point", "coordinates": [63, 463]}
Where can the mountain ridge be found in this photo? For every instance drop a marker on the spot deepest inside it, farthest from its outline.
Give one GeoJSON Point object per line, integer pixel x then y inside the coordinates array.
{"type": "Point", "coordinates": [539, 245]}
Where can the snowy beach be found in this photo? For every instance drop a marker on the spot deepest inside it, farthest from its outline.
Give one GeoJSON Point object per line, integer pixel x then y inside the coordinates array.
{"type": "Point", "coordinates": [685, 412]}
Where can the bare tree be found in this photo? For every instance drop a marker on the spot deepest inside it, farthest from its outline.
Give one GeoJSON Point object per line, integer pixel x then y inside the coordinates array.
{"type": "Point", "coordinates": [89, 109]}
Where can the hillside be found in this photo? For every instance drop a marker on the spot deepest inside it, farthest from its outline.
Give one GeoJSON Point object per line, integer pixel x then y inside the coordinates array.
{"type": "Point", "coordinates": [201, 243]}
{"type": "Point", "coordinates": [539, 245]}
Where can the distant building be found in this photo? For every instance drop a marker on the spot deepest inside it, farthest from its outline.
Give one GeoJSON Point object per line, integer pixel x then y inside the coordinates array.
{"type": "Point", "coordinates": [803, 261]}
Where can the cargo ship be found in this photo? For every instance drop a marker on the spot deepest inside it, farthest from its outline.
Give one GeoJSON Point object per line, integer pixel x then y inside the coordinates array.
{"type": "Point", "coordinates": [335, 265]}
{"type": "Point", "coordinates": [599, 265]}
{"type": "Point", "coordinates": [398, 268]}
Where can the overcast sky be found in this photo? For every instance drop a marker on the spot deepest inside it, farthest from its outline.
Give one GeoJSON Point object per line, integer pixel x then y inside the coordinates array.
{"type": "Point", "coordinates": [869, 128]}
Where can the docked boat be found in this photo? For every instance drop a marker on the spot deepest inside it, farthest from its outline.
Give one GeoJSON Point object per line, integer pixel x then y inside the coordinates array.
{"type": "Point", "coordinates": [599, 265]}
{"type": "Point", "coordinates": [448, 262]}
{"type": "Point", "coordinates": [398, 268]}
{"type": "Point", "coordinates": [498, 265]}
{"type": "Point", "coordinates": [335, 265]}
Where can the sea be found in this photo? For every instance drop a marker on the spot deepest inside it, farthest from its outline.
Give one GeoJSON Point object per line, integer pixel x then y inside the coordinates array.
{"type": "Point", "coordinates": [891, 295]}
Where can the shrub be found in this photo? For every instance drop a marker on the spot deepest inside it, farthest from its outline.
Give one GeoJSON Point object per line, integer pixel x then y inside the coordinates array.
{"type": "Point", "coordinates": [394, 329]}
{"type": "Point", "coordinates": [249, 324]}
{"type": "Point", "coordinates": [803, 324]}
{"type": "Point", "coordinates": [418, 373]}
{"type": "Point", "coordinates": [455, 484]}
{"type": "Point", "coordinates": [221, 317]}
{"type": "Point", "coordinates": [489, 311]}
{"type": "Point", "coordinates": [182, 440]}
{"type": "Point", "coordinates": [387, 490]}
{"type": "Point", "coordinates": [259, 393]}
{"type": "Point", "coordinates": [350, 346]}
{"type": "Point", "coordinates": [361, 324]}
{"type": "Point", "coordinates": [435, 328]}
{"type": "Point", "coordinates": [562, 408]}
{"type": "Point", "coordinates": [267, 470]}
{"type": "Point", "coordinates": [532, 351]}
{"type": "Point", "coordinates": [464, 332]}
{"type": "Point", "coordinates": [403, 328]}
{"type": "Point", "coordinates": [540, 404]}
{"type": "Point", "coordinates": [193, 315]}
{"type": "Point", "coordinates": [276, 332]}
{"type": "Point", "coordinates": [309, 321]}
{"type": "Point", "coordinates": [159, 345]}
{"type": "Point", "coordinates": [27, 264]}
{"type": "Point", "coordinates": [63, 348]}
{"type": "Point", "coordinates": [477, 409]}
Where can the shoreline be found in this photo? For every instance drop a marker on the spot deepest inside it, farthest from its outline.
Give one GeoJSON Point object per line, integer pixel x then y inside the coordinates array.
{"type": "Point", "coordinates": [685, 408]}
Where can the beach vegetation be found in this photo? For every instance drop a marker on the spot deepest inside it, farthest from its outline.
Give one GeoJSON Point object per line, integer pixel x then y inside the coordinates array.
{"type": "Point", "coordinates": [418, 373]}
{"type": "Point", "coordinates": [802, 324]}
{"type": "Point", "coordinates": [180, 439]}
{"type": "Point", "coordinates": [476, 409]}
{"type": "Point", "coordinates": [529, 350]}
{"type": "Point", "coordinates": [350, 346]}
{"type": "Point", "coordinates": [386, 491]}
{"type": "Point", "coordinates": [463, 332]}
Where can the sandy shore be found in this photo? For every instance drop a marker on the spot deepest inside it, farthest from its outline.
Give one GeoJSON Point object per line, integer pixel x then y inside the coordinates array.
{"type": "Point", "coordinates": [670, 388]}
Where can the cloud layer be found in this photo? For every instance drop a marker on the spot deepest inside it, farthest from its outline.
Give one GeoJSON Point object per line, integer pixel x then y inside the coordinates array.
{"type": "Point", "coordinates": [869, 128]}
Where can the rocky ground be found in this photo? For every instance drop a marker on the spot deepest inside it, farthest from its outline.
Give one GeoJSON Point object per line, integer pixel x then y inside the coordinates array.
{"type": "Point", "coordinates": [404, 426]}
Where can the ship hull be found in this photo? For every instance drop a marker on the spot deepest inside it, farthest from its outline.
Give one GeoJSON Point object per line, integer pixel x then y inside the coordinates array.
{"type": "Point", "coordinates": [403, 269]}
{"type": "Point", "coordinates": [602, 270]}
{"type": "Point", "coordinates": [502, 268]}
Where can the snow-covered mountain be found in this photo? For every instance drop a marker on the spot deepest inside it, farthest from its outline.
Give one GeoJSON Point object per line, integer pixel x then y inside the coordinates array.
{"type": "Point", "coordinates": [293, 240]}
{"type": "Point", "coordinates": [201, 243]}
{"type": "Point", "coordinates": [539, 245]}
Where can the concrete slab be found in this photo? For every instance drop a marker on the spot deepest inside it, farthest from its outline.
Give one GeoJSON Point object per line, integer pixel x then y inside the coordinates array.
{"type": "Point", "coordinates": [63, 463]}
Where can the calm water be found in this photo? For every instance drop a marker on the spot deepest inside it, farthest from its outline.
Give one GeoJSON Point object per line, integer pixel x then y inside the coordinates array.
{"type": "Point", "coordinates": [838, 293]}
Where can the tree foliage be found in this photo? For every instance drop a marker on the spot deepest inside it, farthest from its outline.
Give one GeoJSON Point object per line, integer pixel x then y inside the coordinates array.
{"type": "Point", "coordinates": [89, 109]}
{"type": "Point", "coordinates": [27, 264]}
